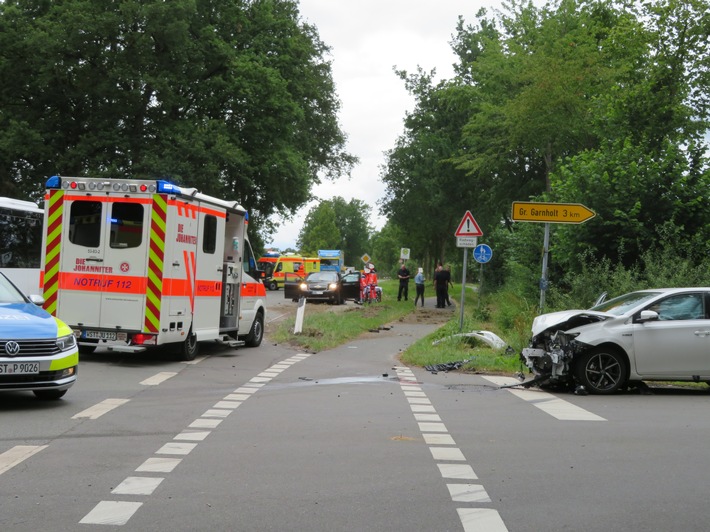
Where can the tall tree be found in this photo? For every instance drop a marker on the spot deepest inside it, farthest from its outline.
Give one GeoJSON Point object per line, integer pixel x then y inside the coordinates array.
{"type": "Point", "coordinates": [234, 97]}
{"type": "Point", "coordinates": [337, 224]}
{"type": "Point", "coordinates": [320, 230]}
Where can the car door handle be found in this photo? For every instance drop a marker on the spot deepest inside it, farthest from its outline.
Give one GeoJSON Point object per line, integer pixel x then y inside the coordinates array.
{"type": "Point", "coordinates": [701, 333]}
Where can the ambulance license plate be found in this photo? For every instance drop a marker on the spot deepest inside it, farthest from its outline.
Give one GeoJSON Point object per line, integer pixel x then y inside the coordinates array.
{"type": "Point", "coordinates": [100, 335]}
{"type": "Point", "coordinates": [19, 368]}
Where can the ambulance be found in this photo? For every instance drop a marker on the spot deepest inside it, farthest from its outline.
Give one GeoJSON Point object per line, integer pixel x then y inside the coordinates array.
{"type": "Point", "coordinates": [135, 264]}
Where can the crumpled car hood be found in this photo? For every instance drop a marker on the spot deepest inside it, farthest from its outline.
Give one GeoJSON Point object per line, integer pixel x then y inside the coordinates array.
{"type": "Point", "coordinates": [567, 319]}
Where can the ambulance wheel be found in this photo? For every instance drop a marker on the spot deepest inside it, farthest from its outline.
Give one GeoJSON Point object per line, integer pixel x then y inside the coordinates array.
{"type": "Point", "coordinates": [273, 285]}
{"type": "Point", "coordinates": [256, 334]}
{"type": "Point", "coordinates": [49, 395]}
{"type": "Point", "coordinates": [188, 349]}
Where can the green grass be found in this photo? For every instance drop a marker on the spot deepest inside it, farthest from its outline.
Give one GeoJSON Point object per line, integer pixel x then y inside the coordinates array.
{"type": "Point", "coordinates": [499, 313]}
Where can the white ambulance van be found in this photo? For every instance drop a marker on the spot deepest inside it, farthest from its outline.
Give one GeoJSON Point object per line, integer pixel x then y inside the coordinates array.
{"type": "Point", "coordinates": [134, 264]}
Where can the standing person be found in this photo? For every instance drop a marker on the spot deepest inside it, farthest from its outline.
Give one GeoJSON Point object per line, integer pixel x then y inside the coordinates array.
{"type": "Point", "coordinates": [404, 276]}
{"type": "Point", "coordinates": [447, 271]}
{"type": "Point", "coordinates": [440, 286]}
{"type": "Point", "coordinates": [419, 284]}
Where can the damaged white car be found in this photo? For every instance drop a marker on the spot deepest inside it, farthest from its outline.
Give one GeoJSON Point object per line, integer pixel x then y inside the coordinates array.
{"type": "Point", "coordinates": [661, 334]}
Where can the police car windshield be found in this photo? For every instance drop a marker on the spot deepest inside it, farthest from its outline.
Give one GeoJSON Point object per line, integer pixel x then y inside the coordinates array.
{"type": "Point", "coordinates": [8, 293]}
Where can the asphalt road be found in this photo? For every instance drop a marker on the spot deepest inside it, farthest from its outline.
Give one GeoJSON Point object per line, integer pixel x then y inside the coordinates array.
{"type": "Point", "coordinates": [272, 439]}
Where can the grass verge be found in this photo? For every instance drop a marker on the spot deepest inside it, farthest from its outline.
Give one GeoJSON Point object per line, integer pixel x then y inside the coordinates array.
{"type": "Point", "coordinates": [500, 314]}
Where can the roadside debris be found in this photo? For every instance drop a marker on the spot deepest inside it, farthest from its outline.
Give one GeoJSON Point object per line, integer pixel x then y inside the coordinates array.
{"type": "Point", "coordinates": [448, 366]}
{"type": "Point", "coordinates": [487, 337]}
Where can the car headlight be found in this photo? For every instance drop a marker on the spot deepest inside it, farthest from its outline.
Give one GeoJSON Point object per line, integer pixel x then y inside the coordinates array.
{"type": "Point", "coordinates": [333, 286]}
{"type": "Point", "coordinates": [304, 286]}
{"type": "Point", "coordinates": [65, 343]}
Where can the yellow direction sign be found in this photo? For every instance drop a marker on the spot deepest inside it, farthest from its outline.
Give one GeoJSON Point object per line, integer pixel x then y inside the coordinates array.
{"type": "Point", "coordinates": [561, 213]}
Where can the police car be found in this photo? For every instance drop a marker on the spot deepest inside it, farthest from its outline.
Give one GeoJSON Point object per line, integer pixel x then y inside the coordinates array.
{"type": "Point", "coordinates": [38, 352]}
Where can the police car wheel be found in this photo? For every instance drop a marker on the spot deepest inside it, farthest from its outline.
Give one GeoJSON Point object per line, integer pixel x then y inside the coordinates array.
{"type": "Point", "coordinates": [49, 395]}
{"type": "Point", "coordinates": [189, 347]}
{"type": "Point", "coordinates": [256, 334]}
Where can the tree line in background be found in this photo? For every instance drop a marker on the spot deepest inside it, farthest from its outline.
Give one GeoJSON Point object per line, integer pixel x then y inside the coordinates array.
{"type": "Point", "coordinates": [603, 103]}
{"type": "Point", "coordinates": [233, 97]}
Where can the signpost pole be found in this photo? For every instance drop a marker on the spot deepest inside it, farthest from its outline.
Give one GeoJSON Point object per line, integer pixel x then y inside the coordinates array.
{"type": "Point", "coordinates": [543, 279]}
{"type": "Point", "coordinates": [463, 288]}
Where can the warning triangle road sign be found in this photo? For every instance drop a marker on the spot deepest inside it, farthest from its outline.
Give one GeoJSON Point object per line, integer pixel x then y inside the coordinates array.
{"type": "Point", "coordinates": [468, 226]}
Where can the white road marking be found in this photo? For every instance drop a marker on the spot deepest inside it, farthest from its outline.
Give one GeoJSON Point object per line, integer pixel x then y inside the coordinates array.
{"type": "Point", "coordinates": [438, 439]}
{"type": "Point", "coordinates": [447, 453]}
{"type": "Point", "coordinates": [238, 396]}
{"type": "Point", "coordinates": [269, 374]}
{"type": "Point", "coordinates": [18, 454]}
{"type": "Point", "coordinates": [457, 471]}
{"type": "Point", "coordinates": [111, 513]}
{"type": "Point", "coordinates": [118, 513]}
{"type": "Point", "coordinates": [215, 412]}
{"type": "Point", "coordinates": [422, 408]}
{"type": "Point", "coordinates": [100, 409]}
{"type": "Point", "coordinates": [556, 407]}
{"type": "Point", "coordinates": [158, 378]}
{"type": "Point", "coordinates": [137, 486]}
{"type": "Point", "coordinates": [242, 389]}
{"type": "Point", "coordinates": [228, 404]}
{"type": "Point", "coordinates": [205, 423]}
{"type": "Point", "coordinates": [418, 401]}
{"type": "Point", "coordinates": [468, 493]}
{"type": "Point", "coordinates": [192, 435]}
{"type": "Point", "coordinates": [432, 427]}
{"type": "Point", "coordinates": [176, 448]}
{"type": "Point", "coordinates": [427, 417]}
{"type": "Point", "coordinates": [481, 519]}
{"type": "Point", "coordinates": [158, 465]}
{"type": "Point", "coordinates": [435, 434]}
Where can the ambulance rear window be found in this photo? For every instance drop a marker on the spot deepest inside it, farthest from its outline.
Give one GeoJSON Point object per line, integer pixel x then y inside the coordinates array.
{"type": "Point", "coordinates": [85, 223]}
{"type": "Point", "coordinates": [126, 225]}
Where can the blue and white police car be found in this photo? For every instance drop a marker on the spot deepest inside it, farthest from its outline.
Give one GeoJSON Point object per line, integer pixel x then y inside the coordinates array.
{"type": "Point", "coordinates": [38, 352]}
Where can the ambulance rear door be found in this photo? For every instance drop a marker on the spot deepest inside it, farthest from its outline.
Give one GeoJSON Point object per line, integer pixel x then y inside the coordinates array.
{"type": "Point", "coordinates": [103, 261]}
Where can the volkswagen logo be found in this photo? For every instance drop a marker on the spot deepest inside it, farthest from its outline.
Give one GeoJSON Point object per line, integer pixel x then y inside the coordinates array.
{"type": "Point", "coordinates": [12, 348]}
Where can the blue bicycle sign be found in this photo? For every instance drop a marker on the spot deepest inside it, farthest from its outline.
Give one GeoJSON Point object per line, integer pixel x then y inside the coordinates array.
{"type": "Point", "coordinates": [482, 253]}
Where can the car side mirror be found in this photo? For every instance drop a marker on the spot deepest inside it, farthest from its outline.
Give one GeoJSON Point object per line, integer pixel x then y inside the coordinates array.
{"type": "Point", "coordinates": [37, 300]}
{"type": "Point", "coordinates": [647, 315]}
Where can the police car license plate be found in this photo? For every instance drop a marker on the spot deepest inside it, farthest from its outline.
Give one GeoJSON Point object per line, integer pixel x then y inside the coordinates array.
{"type": "Point", "coordinates": [101, 335]}
{"type": "Point", "coordinates": [19, 368]}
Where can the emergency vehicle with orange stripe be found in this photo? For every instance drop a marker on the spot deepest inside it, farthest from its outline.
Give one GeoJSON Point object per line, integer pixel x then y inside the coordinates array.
{"type": "Point", "coordinates": [135, 264]}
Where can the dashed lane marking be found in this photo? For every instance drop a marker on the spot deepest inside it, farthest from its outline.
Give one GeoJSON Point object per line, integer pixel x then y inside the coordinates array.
{"type": "Point", "coordinates": [171, 454]}
{"type": "Point", "coordinates": [444, 451]}
{"type": "Point", "coordinates": [111, 513]}
{"type": "Point", "coordinates": [158, 378]}
{"type": "Point", "coordinates": [548, 403]}
{"type": "Point", "coordinates": [18, 454]}
{"type": "Point", "coordinates": [99, 409]}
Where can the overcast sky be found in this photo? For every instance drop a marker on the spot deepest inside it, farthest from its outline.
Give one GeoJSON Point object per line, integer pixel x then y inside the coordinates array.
{"type": "Point", "coordinates": [368, 38]}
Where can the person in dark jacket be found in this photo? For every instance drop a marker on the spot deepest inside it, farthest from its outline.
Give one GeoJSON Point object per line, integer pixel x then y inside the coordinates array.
{"type": "Point", "coordinates": [440, 284]}
{"type": "Point", "coordinates": [404, 276]}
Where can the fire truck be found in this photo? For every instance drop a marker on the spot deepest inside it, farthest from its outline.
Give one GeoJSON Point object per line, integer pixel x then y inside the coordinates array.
{"type": "Point", "coordinates": [136, 264]}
